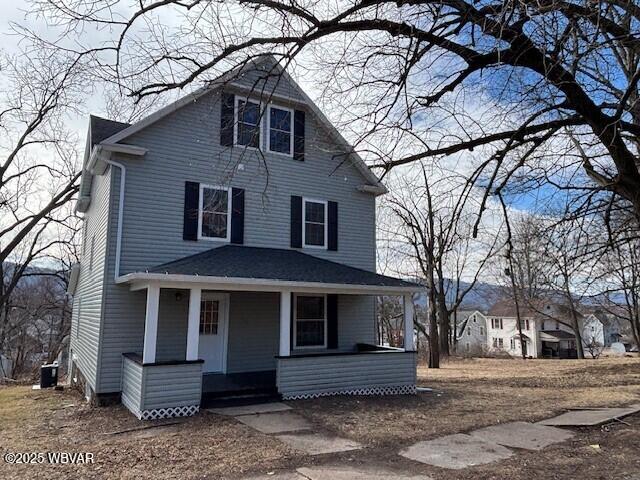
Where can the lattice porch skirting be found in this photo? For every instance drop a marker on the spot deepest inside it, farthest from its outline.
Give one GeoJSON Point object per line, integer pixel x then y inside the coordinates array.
{"type": "Point", "coordinates": [384, 390]}
{"type": "Point", "coordinates": [169, 412]}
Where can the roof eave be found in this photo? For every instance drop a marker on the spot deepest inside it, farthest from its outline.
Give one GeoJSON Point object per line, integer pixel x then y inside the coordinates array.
{"type": "Point", "coordinates": [140, 280]}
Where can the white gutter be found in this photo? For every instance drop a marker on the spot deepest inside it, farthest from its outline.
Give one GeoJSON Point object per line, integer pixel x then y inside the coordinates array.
{"type": "Point", "coordinates": [123, 176]}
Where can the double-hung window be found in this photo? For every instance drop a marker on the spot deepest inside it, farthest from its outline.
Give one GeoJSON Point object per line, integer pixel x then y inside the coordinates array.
{"type": "Point", "coordinates": [215, 212]}
{"type": "Point", "coordinates": [247, 123]}
{"type": "Point", "coordinates": [310, 326]}
{"type": "Point", "coordinates": [314, 231]}
{"type": "Point", "coordinates": [280, 130]}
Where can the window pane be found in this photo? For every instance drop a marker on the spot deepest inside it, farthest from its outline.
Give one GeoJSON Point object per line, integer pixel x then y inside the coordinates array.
{"type": "Point", "coordinates": [214, 200]}
{"type": "Point", "coordinates": [280, 119]}
{"type": "Point", "coordinates": [314, 212]}
{"type": "Point", "coordinates": [309, 307]}
{"type": "Point", "coordinates": [209, 317]}
{"type": "Point", "coordinates": [314, 234]}
{"type": "Point", "coordinates": [280, 141]}
{"type": "Point", "coordinates": [309, 333]}
{"type": "Point", "coordinates": [248, 135]}
{"type": "Point", "coordinates": [214, 225]}
{"type": "Point", "coordinates": [248, 112]}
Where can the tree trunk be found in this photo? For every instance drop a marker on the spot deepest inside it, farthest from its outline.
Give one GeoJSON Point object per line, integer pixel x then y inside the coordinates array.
{"type": "Point", "coordinates": [443, 320]}
{"type": "Point", "coordinates": [574, 320]}
{"type": "Point", "coordinates": [434, 343]}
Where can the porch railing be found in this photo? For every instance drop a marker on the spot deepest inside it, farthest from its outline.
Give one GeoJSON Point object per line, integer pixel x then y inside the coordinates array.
{"type": "Point", "coordinates": [368, 370]}
{"type": "Point", "coordinates": [161, 389]}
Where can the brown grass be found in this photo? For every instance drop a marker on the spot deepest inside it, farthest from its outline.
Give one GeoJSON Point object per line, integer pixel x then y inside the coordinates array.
{"type": "Point", "coordinates": [467, 394]}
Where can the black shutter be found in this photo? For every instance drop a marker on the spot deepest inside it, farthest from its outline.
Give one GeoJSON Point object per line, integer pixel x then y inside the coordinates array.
{"type": "Point", "coordinates": [296, 222]}
{"type": "Point", "coordinates": [227, 103]}
{"type": "Point", "coordinates": [332, 234]}
{"type": "Point", "coordinates": [237, 215]}
{"type": "Point", "coordinates": [191, 200]}
{"type": "Point", "coordinates": [332, 321]}
{"type": "Point", "coordinates": [298, 135]}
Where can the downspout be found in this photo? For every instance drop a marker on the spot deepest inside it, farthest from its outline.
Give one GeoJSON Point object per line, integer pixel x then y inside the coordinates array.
{"type": "Point", "coordinates": [123, 175]}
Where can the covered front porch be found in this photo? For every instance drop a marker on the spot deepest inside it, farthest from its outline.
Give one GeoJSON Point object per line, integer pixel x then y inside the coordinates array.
{"type": "Point", "coordinates": [206, 337]}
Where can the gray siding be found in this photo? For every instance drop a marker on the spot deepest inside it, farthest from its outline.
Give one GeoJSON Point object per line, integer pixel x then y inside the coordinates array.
{"type": "Point", "coordinates": [254, 331]}
{"type": "Point", "coordinates": [132, 380]}
{"type": "Point", "coordinates": [184, 146]}
{"type": "Point", "coordinates": [172, 325]}
{"type": "Point", "coordinates": [89, 298]}
{"type": "Point", "coordinates": [319, 375]}
{"type": "Point", "coordinates": [172, 386]}
{"type": "Point", "coordinates": [160, 386]}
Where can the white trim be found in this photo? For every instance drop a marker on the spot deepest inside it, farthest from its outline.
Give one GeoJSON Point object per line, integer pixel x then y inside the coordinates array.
{"type": "Point", "coordinates": [236, 100]}
{"type": "Point", "coordinates": [223, 298]}
{"type": "Point", "coordinates": [409, 344]}
{"type": "Point", "coordinates": [285, 323]}
{"type": "Point", "coordinates": [193, 324]}
{"type": "Point", "coordinates": [201, 206]}
{"type": "Point", "coordinates": [151, 324]}
{"type": "Point", "coordinates": [295, 321]}
{"type": "Point", "coordinates": [306, 200]}
{"type": "Point", "coordinates": [140, 281]}
{"type": "Point", "coordinates": [292, 113]}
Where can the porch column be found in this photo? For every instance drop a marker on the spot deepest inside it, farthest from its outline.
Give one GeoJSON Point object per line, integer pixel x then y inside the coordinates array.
{"type": "Point", "coordinates": [408, 323]}
{"type": "Point", "coordinates": [193, 326]}
{"type": "Point", "coordinates": [285, 323]}
{"type": "Point", "coordinates": [151, 324]}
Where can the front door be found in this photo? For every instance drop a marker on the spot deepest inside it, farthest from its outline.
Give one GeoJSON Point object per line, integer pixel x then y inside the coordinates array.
{"type": "Point", "coordinates": [524, 348]}
{"type": "Point", "coordinates": [213, 331]}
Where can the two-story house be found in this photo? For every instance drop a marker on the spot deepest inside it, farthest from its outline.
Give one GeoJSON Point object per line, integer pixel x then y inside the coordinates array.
{"type": "Point", "coordinates": [546, 331]}
{"type": "Point", "coordinates": [229, 247]}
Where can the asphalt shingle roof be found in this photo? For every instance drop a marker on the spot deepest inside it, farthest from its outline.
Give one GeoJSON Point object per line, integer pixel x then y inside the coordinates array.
{"type": "Point", "coordinates": [274, 264]}
{"type": "Point", "coordinates": [101, 128]}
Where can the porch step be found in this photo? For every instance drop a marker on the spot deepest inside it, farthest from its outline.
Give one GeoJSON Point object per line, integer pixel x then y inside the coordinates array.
{"type": "Point", "coordinates": [236, 399]}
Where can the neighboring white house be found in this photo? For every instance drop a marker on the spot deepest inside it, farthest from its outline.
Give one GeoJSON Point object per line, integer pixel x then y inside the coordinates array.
{"type": "Point", "coordinates": [545, 331]}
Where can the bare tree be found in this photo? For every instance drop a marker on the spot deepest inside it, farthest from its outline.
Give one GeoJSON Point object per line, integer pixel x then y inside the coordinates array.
{"type": "Point", "coordinates": [546, 91]}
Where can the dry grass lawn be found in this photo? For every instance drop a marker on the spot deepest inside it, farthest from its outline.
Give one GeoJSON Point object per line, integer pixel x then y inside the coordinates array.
{"type": "Point", "coordinates": [467, 394]}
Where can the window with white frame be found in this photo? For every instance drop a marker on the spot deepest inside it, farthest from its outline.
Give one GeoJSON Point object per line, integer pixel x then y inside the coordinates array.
{"type": "Point", "coordinates": [314, 230]}
{"type": "Point", "coordinates": [247, 123]}
{"type": "Point", "coordinates": [513, 344]}
{"type": "Point", "coordinates": [215, 212]}
{"type": "Point", "coordinates": [310, 326]}
{"type": "Point", "coordinates": [209, 314]}
{"type": "Point", "coordinates": [496, 323]}
{"type": "Point", "coordinates": [526, 324]}
{"type": "Point", "coordinates": [481, 331]}
{"type": "Point", "coordinates": [280, 130]}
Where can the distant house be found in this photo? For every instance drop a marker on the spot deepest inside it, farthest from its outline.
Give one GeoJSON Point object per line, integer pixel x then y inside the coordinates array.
{"type": "Point", "coordinates": [546, 331]}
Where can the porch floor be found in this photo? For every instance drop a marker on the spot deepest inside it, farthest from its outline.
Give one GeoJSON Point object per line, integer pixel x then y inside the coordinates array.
{"type": "Point", "coordinates": [221, 390]}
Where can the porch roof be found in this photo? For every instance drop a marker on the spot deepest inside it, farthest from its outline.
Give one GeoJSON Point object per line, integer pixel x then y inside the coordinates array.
{"type": "Point", "coordinates": [252, 268]}
{"type": "Point", "coordinates": [555, 336]}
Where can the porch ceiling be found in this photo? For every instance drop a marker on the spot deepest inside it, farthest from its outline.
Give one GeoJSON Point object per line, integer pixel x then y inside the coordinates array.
{"type": "Point", "coordinates": [267, 269]}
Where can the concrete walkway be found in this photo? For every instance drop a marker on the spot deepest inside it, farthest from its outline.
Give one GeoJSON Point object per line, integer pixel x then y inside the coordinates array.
{"type": "Point", "coordinates": [482, 446]}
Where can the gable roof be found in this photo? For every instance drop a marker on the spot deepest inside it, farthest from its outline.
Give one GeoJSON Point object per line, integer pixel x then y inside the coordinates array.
{"type": "Point", "coordinates": [228, 78]}
{"type": "Point", "coordinates": [233, 261]}
{"type": "Point", "coordinates": [101, 128]}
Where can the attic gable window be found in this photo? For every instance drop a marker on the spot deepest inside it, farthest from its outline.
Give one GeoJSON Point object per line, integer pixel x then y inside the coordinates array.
{"type": "Point", "coordinates": [247, 123]}
{"type": "Point", "coordinates": [280, 130]}
{"type": "Point", "coordinates": [214, 213]}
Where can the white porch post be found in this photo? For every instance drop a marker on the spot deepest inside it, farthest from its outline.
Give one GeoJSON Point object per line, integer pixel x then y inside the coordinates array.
{"type": "Point", "coordinates": [408, 323]}
{"type": "Point", "coordinates": [285, 323]}
{"type": "Point", "coordinates": [193, 327]}
{"type": "Point", "coordinates": [151, 324]}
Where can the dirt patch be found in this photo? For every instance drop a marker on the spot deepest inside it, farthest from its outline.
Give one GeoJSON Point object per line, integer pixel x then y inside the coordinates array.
{"type": "Point", "coordinates": [468, 394]}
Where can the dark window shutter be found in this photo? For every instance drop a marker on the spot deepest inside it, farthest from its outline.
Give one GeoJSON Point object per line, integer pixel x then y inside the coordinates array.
{"type": "Point", "coordinates": [237, 215]}
{"type": "Point", "coordinates": [227, 104]}
{"type": "Point", "coordinates": [332, 234]}
{"type": "Point", "coordinates": [332, 321]}
{"type": "Point", "coordinates": [191, 201]}
{"type": "Point", "coordinates": [296, 222]}
{"type": "Point", "coordinates": [298, 135]}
